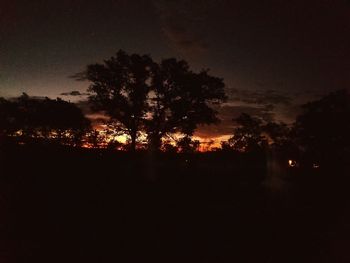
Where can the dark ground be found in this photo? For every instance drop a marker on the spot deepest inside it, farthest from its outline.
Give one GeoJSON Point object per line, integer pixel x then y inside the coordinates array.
{"type": "Point", "coordinates": [64, 205]}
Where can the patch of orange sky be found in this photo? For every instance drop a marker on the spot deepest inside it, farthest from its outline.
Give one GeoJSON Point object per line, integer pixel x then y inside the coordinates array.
{"type": "Point", "coordinates": [206, 143]}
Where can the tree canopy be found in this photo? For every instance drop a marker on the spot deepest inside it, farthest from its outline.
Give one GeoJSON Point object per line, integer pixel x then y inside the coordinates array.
{"type": "Point", "coordinates": [182, 99]}
{"type": "Point", "coordinates": [322, 129]}
{"type": "Point", "coordinates": [155, 99]}
{"type": "Point", "coordinates": [42, 118]}
{"type": "Point", "coordinates": [247, 135]}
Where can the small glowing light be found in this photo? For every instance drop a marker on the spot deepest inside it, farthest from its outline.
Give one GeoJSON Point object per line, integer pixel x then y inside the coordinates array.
{"type": "Point", "coordinates": [292, 163]}
{"type": "Point", "coordinates": [315, 165]}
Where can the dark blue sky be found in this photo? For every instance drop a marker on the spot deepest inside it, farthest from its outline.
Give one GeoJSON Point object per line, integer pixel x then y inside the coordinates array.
{"type": "Point", "coordinates": [269, 52]}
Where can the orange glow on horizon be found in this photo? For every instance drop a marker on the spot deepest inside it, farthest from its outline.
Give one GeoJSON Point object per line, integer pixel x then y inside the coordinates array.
{"type": "Point", "coordinates": [206, 143]}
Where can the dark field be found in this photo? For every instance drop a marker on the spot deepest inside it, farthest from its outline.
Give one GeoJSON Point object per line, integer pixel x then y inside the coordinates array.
{"type": "Point", "coordinates": [66, 205]}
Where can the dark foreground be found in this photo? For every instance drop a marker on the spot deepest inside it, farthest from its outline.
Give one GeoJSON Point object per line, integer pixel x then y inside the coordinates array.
{"type": "Point", "coordinates": [71, 206]}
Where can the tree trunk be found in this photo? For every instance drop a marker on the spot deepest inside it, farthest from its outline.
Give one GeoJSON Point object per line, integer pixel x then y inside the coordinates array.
{"type": "Point", "coordinates": [133, 141]}
{"type": "Point", "coordinates": [155, 142]}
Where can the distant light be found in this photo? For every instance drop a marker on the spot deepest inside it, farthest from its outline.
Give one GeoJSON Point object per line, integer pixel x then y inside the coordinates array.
{"type": "Point", "coordinates": [315, 165]}
{"type": "Point", "coordinates": [292, 163]}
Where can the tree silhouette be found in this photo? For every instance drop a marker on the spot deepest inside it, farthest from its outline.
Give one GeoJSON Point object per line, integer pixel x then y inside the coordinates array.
{"type": "Point", "coordinates": [247, 136]}
{"type": "Point", "coordinates": [8, 118]}
{"type": "Point", "coordinates": [94, 138]}
{"type": "Point", "coordinates": [43, 118]}
{"type": "Point", "coordinates": [120, 88]}
{"type": "Point", "coordinates": [188, 145]}
{"type": "Point", "coordinates": [322, 130]}
{"type": "Point", "coordinates": [156, 99]}
{"type": "Point", "coordinates": [169, 147]}
{"type": "Point", "coordinates": [278, 133]}
{"type": "Point", "coordinates": [181, 100]}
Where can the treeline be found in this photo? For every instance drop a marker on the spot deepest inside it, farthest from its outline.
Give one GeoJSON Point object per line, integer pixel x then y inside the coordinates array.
{"type": "Point", "coordinates": [320, 135]}
{"type": "Point", "coordinates": [41, 120]}
{"type": "Point", "coordinates": [158, 107]}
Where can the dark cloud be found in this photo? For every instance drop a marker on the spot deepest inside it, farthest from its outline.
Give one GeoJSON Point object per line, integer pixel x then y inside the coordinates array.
{"type": "Point", "coordinates": [85, 106]}
{"type": "Point", "coordinates": [229, 112]}
{"type": "Point", "coordinates": [182, 24]}
{"type": "Point", "coordinates": [260, 97]}
{"type": "Point", "coordinates": [96, 118]}
{"type": "Point", "coordinates": [74, 93]}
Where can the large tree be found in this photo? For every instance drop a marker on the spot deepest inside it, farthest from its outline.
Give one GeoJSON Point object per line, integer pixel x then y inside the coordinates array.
{"type": "Point", "coordinates": [120, 87]}
{"type": "Point", "coordinates": [157, 99]}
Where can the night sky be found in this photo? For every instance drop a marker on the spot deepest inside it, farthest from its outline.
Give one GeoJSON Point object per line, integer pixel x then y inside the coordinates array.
{"type": "Point", "coordinates": [273, 55]}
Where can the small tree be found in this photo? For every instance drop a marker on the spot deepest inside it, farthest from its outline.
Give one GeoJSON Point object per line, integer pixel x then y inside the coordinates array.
{"type": "Point", "coordinates": [247, 136]}
{"type": "Point", "coordinates": [187, 145]}
{"type": "Point", "coordinates": [278, 133]}
{"type": "Point", "coordinates": [95, 139]}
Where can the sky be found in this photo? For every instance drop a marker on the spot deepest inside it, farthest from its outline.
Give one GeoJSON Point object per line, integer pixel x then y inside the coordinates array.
{"type": "Point", "coordinates": [273, 55]}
